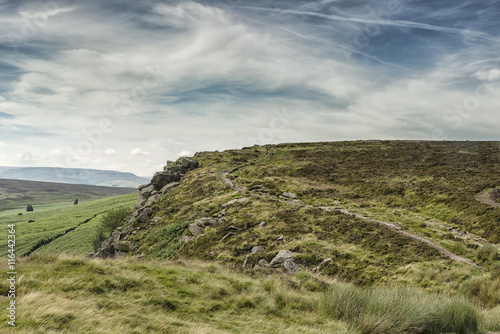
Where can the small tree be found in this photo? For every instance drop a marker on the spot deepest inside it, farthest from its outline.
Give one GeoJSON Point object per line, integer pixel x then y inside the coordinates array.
{"type": "Point", "coordinates": [29, 208]}
{"type": "Point", "coordinates": [76, 201]}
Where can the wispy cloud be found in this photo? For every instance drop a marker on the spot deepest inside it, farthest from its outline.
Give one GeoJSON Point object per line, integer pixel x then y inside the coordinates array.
{"type": "Point", "coordinates": [98, 79]}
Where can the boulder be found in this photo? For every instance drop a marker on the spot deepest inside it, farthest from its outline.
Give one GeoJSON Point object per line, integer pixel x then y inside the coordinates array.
{"type": "Point", "coordinates": [261, 264]}
{"type": "Point", "coordinates": [144, 193]}
{"type": "Point", "coordinates": [195, 229]}
{"type": "Point", "coordinates": [169, 187]}
{"type": "Point", "coordinates": [176, 169]}
{"type": "Point", "coordinates": [291, 266]}
{"type": "Point", "coordinates": [189, 163]}
{"type": "Point", "coordinates": [161, 179]}
{"type": "Point", "coordinates": [281, 257]}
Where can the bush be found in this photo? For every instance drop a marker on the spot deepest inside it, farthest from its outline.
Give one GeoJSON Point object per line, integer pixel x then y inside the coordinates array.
{"type": "Point", "coordinates": [109, 222]}
{"type": "Point", "coordinates": [29, 208]}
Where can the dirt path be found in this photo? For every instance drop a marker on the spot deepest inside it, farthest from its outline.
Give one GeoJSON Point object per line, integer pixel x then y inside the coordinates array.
{"type": "Point", "coordinates": [485, 197]}
{"type": "Point", "coordinates": [441, 250]}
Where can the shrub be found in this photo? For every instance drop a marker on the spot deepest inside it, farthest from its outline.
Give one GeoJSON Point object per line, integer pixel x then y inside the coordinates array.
{"type": "Point", "coordinates": [109, 222]}
{"type": "Point", "coordinates": [29, 208]}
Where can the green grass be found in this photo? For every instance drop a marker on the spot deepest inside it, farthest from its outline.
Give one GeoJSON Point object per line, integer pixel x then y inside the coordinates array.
{"type": "Point", "coordinates": [52, 221]}
{"type": "Point", "coordinates": [72, 294]}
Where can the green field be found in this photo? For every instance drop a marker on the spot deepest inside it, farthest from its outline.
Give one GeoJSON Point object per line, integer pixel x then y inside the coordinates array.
{"type": "Point", "coordinates": [59, 227]}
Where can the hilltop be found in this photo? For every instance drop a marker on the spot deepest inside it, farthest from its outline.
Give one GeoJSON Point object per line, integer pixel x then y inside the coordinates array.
{"type": "Point", "coordinates": [94, 177]}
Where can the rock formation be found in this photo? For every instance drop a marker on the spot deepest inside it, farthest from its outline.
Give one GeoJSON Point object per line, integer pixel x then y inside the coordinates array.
{"type": "Point", "coordinates": [161, 183]}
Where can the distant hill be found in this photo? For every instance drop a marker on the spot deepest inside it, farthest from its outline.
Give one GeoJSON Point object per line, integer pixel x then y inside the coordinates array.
{"type": "Point", "coordinates": [18, 193]}
{"type": "Point", "coordinates": [94, 177]}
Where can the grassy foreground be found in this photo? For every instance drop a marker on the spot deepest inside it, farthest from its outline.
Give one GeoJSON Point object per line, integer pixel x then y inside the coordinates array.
{"type": "Point", "coordinates": [70, 294]}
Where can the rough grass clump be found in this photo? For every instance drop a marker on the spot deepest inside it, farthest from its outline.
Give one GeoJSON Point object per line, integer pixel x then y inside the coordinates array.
{"type": "Point", "coordinates": [398, 310]}
{"type": "Point", "coordinates": [487, 253]}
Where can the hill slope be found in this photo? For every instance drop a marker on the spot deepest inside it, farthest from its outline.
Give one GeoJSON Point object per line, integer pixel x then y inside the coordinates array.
{"type": "Point", "coordinates": [73, 176]}
{"type": "Point", "coordinates": [17, 194]}
{"type": "Point", "coordinates": [367, 212]}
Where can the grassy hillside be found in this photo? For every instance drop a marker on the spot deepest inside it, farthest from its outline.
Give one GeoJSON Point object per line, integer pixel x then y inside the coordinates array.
{"type": "Point", "coordinates": [61, 227]}
{"type": "Point", "coordinates": [65, 294]}
{"type": "Point", "coordinates": [17, 194]}
{"type": "Point", "coordinates": [427, 189]}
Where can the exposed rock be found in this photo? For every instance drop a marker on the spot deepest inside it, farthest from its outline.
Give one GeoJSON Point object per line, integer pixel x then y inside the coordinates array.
{"type": "Point", "coordinates": [325, 261]}
{"type": "Point", "coordinates": [289, 195]}
{"type": "Point", "coordinates": [161, 179]}
{"type": "Point", "coordinates": [222, 220]}
{"type": "Point", "coordinates": [144, 193]}
{"type": "Point", "coordinates": [195, 229]}
{"type": "Point", "coordinates": [281, 257]}
{"type": "Point", "coordinates": [236, 200]}
{"type": "Point", "coordinates": [199, 225]}
{"type": "Point", "coordinates": [233, 228]}
{"type": "Point", "coordinates": [175, 169]}
{"type": "Point", "coordinates": [185, 239]}
{"type": "Point", "coordinates": [144, 215]}
{"type": "Point", "coordinates": [279, 238]}
{"type": "Point", "coordinates": [262, 224]}
{"type": "Point", "coordinates": [221, 214]}
{"type": "Point", "coordinates": [169, 187]}
{"type": "Point", "coordinates": [291, 266]}
{"type": "Point", "coordinates": [189, 163]}
{"type": "Point", "coordinates": [261, 264]}
{"type": "Point", "coordinates": [257, 250]}
{"type": "Point", "coordinates": [245, 261]}
{"type": "Point", "coordinates": [230, 234]}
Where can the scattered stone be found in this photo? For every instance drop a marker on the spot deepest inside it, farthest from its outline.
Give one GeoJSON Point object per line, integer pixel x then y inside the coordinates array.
{"type": "Point", "coordinates": [222, 220]}
{"type": "Point", "coordinates": [140, 257]}
{"type": "Point", "coordinates": [257, 249]}
{"type": "Point", "coordinates": [221, 214]}
{"type": "Point", "coordinates": [236, 200]}
{"type": "Point", "coordinates": [261, 264]}
{"type": "Point", "coordinates": [280, 238]}
{"type": "Point", "coordinates": [185, 239]}
{"type": "Point", "coordinates": [281, 257]}
{"type": "Point", "coordinates": [291, 266]}
{"type": "Point", "coordinates": [230, 234]}
{"type": "Point", "coordinates": [199, 225]}
{"type": "Point", "coordinates": [207, 210]}
{"type": "Point", "coordinates": [325, 261]}
{"type": "Point", "coordinates": [289, 195]}
{"type": "Point", "coordinates": [255, 187]}
{"type": "Point", "coordinates": [262, 224]}
{"type": "Point", "coordinates": [245, 262]}
{"type": "Point", "coordinates": [233, 228]}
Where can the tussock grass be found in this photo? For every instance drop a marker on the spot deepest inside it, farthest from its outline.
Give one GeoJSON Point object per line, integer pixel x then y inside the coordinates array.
{"type": "Point", "coordinates": [398, 310]}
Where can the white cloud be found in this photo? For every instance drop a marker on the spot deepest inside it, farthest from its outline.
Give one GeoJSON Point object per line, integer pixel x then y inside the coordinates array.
{"type": "Point", "coordinates": [138, 152]}
{"type": "Point", "coordinates": [184, 154]}
{"type": "Point", "coordinates": [110, 151]}
{"type": "Point", "coordinates": [2, 144]}
{"type": "Point", "coordinates": [490, 75]}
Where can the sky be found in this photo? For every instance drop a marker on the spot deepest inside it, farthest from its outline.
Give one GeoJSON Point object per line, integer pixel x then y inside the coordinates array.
{"type": "Point", "coordinates": [126, 85]}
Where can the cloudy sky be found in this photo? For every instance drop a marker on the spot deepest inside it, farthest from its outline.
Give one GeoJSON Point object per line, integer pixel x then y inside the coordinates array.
{"type": "Point", "coordinates": [126, 85]}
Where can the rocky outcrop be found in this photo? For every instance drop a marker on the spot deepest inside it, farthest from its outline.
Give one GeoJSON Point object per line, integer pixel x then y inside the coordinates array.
{"type": "Point", "coordinates": [147, 194]}
{"type": "Point", "coordinates": [285, 259]}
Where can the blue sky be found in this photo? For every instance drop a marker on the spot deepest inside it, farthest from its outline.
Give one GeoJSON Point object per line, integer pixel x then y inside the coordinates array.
{"type": "Point", "coordinates": [126, 85]}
